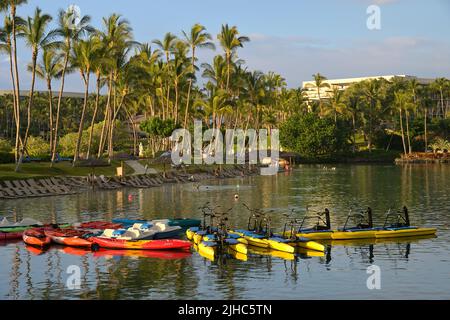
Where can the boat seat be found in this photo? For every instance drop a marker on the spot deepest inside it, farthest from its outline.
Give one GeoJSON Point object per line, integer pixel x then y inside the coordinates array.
{"type": "Point", "coordinates": [131, 233]}
{"type": "Point", "coordinates": [161, 226]}
{"type": "Point", "coordinates": [142, 226]}
{"type": "Point", "coordinates": [108, 233]}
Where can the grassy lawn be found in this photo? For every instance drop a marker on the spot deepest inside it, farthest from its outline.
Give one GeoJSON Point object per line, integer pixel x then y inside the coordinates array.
{"type": "Point", "coordinates": [41, 170]}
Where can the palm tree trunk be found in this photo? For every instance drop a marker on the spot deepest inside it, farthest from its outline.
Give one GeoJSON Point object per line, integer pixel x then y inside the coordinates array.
{"type": "Point", "coordinates": [80, 129]}
{"type": "Point", "coordinates": [105, 127]}
{"type": "Point", "coordinates": [58, 108]}
{"type": "Point", "coordinates": [403, 133]}
{"type": "Point", "coordinates": [186, 111]}
{"type": "Point", "coordinates": [407, 132]}
{"type": "Point", "coordinates": [176, 102]}
{"type": "Point", "coordinates": [228, 69]}
{"type": "Point", "coordinates": [354, 132]}
{"type": "Point", "coordinates": [16, 116]}
{"type": "Point", "coordinates": [94, 116]}
{"type": "Point", "coordinates": [425, 128]}
{"type": "Point", "coordinates": [16, 77]}
{"type": "Point", "coordinates": [50, 111]}
{"type": "Point", "coordinates": [31, 96]}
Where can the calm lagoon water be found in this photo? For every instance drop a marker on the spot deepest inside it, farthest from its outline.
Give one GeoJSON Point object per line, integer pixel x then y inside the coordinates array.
{"type": "Point", "coordinates": [410, 268]}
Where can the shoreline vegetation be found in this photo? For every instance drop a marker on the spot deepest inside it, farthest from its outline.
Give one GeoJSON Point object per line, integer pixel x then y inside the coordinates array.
{"type": "Point", "coordinates": [146, 90]}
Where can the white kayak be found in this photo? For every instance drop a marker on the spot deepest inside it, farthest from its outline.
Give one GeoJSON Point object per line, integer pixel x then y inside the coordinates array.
{"type": "Point", "coordinates": [143, 231]}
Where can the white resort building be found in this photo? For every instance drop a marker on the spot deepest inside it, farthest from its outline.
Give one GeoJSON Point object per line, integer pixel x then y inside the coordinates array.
{"type": "Point", "coordinates": [342, 84]}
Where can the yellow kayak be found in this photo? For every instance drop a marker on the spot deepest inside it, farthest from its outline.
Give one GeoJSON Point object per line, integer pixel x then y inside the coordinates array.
{"type": "Point", "coordinates": [280, 246]}
{"type": "Point", "coordinates": [404, 232]}
{"type": "Point", "coordinates": [197, 238]}
{"type": "Point", "coordinates": [205, 249]}
{"type": "Point", "coordinates": [305, 243]}
{"type": "Point", "coordinates": [262, 243]}
{"type": "Point", "coordinates": [346, 235]}
{"type": "Point", "coordinates": [241, 240]}
{"type": "Point", "coordinates": [237, 255]}
{"type": "Point", "coordinates": [190, 234]}
{"type": "Point", "coordinates": [240, 248]}
{"type": "Point", "coordinates": [322, 235]}
{"type": "Point", "coordinates": [270, 252]}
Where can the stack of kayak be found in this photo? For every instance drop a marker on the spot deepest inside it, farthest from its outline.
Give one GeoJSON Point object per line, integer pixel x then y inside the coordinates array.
{"type": "Point", "coordinates": [120, 234]}
{"type": "Point", "coordinates": [363, 228]}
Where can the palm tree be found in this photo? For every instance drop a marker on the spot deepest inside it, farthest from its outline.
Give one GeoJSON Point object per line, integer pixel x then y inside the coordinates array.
{"type": "Point", "coordinates": [70, 34]}
{"type": "Point", "coordinates": [84, 53]}
{"type": "Point", "coordinates": [167, 46]}
{"type": "Point", "coordinates": [402, 102]}
{"type": "Point", "coordinates": [373, 91]}
{"type": "Point", "coordinates": [49, 68]}
{"type": "Point", "coordinates": [337, 104]}
{"type": "Point", "coordinates": [117, 39]}
{"type": "Point", "coordinates": [319, 82]}
{"type": "Point", "coordinates": [37, 38]}
{"type": "Point", "coordinates": [6, 47]}
{"type": "Point", "coordinates": [12, 6]}
{"type": "Point", "coordinates": [98, 66]}
{"type": "Point", "coordinates": [439, 85]}
{"type": "Point", "coordinates": [197, 38]}
{"type": "Point", "coordinates": [230, 41]}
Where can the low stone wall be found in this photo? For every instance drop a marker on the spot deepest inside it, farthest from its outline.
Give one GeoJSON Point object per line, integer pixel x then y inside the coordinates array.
{"type": "Point", "coordinates": [69, 185]}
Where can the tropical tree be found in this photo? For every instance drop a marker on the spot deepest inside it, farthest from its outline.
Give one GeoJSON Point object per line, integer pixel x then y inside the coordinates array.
{"type": "Point", "coordinates": [197, 38]}
{"type": "Point", "coordinates": [319, 83]}
{"type": "Point", "coordinates": [12, 5]}
{"type": "Point", "coordinates": [167, 46]}
{"type": "Point", "coordinates": [49, 68]}
{"type": "Point", "coordinates": [70, 33]}
{"type": "Point", "coordinates": [440, 85]}
{"type": "Point", "coordinates": [98, 64]}
{"type": "Point", "coordinates": [37, 38]}
{"type": "Point", "coordinates": [230, 41]}
{"type": "Point", "coordinates": [84, 53]}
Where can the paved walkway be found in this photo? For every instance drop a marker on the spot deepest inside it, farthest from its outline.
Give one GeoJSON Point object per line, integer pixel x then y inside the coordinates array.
{"type": "Point", "coordinates": [139, 168]}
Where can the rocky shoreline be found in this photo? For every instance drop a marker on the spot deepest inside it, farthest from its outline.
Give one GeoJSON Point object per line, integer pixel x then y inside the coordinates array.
{"type": "Point", "coordinates": [41, 187]}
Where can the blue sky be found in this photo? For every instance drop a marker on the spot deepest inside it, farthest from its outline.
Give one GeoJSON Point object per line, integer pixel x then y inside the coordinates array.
{"type": "Point", "coordinates": [294, 38]}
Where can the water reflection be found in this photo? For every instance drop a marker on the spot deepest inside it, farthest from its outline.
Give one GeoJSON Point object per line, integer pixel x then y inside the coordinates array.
{"type": "Point", "coordinates": [27, 273]}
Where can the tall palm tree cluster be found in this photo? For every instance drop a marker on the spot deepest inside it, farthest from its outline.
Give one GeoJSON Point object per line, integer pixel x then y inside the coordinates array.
{"type": "Point", "coordinates": [163, 79]}
{"type": "Point", "coordinates": [158, 79]}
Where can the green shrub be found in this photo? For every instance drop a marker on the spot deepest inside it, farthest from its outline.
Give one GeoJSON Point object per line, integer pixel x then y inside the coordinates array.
{"type": "Point", "coordinates": [5, 146]}
{"type": "Point", "coordinates": [67, 143]}
{"type": "Point", "coordinates": [38, 147]}
{"type": "Point", "coordinates": [314, 137]}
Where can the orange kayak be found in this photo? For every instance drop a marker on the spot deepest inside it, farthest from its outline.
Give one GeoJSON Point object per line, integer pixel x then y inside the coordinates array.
{"type": "Point", "coordinates": [68, 237]}
{"type": "Point", "coordinates": [36, 237]}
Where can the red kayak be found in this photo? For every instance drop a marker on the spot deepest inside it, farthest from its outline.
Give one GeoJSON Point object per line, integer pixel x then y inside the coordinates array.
{"type": "Point", "coordinates": [99, 225]}
{"type": "Point", "coordinates": [158, 254]}
{"type": "Point", "coordinates": [68, 237]}
{"type": "Point", "coordinates": [5, 236]}
{"type": "Point", "coordinates": [36, 237]}
{"type": "Point", "coordinates": [166, 244]}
